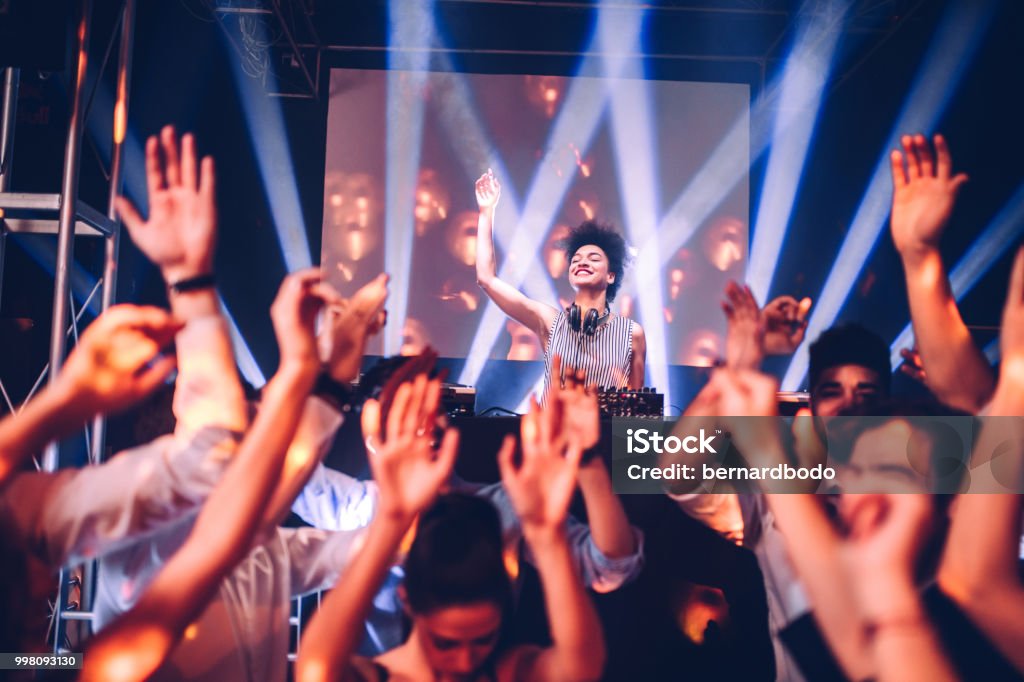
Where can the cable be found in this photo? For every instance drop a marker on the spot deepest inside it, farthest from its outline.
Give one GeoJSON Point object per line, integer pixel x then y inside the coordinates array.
{"type": "Point", "coordinates": [498, 408]}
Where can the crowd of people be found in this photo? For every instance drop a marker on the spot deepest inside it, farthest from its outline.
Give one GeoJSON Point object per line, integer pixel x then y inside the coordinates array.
{"type": "Point", "coordinates": [197, 574]}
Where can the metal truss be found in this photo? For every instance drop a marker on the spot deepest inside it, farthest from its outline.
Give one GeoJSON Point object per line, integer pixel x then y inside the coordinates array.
{"type": "Point", "coordinates": [276, 42]}
{"type": "Point", "coordinates": [64, 215]}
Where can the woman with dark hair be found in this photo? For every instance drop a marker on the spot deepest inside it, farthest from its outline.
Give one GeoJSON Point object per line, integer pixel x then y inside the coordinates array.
{"type": "Point", "coordinates": [457, 590]}
{"type": "Point", "coordinates": [610, 350]}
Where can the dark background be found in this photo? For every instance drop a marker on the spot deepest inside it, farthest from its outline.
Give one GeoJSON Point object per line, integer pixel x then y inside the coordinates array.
{"type": "Point", "coordinates": [183, 75]}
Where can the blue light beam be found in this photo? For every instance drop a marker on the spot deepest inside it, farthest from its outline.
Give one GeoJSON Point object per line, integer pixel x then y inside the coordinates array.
{"type": "Point", "coordinates": [269, 139]}
{"type": "Point", "coordinates": [411, 33]}
{"type": "Point", "coordinates": [633, 130]}
{"type": "Point", "coordinates": [804, 77]}
{"type": "Point", "coordinates": [576, 125]}
{"type": "Point", "coordinates": [950, 52]}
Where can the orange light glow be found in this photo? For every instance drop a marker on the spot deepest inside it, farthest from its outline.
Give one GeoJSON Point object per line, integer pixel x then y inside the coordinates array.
{"type": "Point", "coordinates": [120, 121]}
{"type": "Point", "coordinates": [512, 564]}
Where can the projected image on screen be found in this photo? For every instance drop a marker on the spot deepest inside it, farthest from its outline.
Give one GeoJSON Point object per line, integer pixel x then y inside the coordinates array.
{"type": "Point", "coordinates": [664, 162]}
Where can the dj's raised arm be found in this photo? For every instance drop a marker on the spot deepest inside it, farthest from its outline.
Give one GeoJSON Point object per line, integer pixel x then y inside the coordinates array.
{"type": "Point", "coordinates": [608, 348]}
{"type": "Point", "coordinates": [514, 303]}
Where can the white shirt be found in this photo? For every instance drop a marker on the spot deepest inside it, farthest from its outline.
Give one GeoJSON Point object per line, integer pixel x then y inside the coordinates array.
{"type": "Point", "coordinates": [77, 514]}
{"type": "Point", "coordinates": [243, 634]}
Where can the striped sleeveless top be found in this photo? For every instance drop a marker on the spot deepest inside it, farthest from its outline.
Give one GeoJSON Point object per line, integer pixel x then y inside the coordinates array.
{"type": "Point", "coordinates": [606, 356]}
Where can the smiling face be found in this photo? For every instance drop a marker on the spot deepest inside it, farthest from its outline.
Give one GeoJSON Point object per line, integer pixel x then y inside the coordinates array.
{"type": "Point", "coordinates": [589, 268]}
{"type": "Point", "coordinates": [458, 640]}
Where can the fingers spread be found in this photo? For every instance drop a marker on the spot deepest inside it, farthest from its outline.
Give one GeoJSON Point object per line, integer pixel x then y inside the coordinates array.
{"type": "Point", "coordinates": [804, 308]}
{"type": "Point", "coordinates": [899, 176]}
{"type": "Point", "coordinates": [155, 180]}
{"type": "Point", "coordinates": [396, 415]}
{"type": "Point", "coordinates": [506, 455]}
{"type": "Point", "coordinates": [924, 155]}
{"type": "Point", "coordinates": [172, 167]}
{"type": "Point", "coordinates": [370, 420]}
{"type": "Point", "coordinates": [447, 454]}
{"type": "Point", "coordinates": [207, 179]}
{"type": "Point", "coordinates": [188, 161]}
{"type": "Point", "coordinates": [1016, 294]}
{"type": "Point", "coordinates": [943, 161]}
{"type": "Point", "coordinates": [129, 215]}
{"type": "Point", "coordinates": [913, 166]}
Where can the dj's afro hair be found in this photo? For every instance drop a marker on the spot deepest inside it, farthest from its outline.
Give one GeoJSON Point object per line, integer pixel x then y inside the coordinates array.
{"type": "Point", "coordinates": [606, 238]}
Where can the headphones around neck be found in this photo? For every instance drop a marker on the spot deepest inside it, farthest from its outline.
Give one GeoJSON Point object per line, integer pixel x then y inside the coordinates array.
{"type": "Point", "coordinates": [590, 322]}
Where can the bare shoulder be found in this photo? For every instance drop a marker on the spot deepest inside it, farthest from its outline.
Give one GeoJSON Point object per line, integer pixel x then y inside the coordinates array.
{"type": "Point", "coordinates": [639, 339]}
{"type": "Point", "coordinates": [546, 315]}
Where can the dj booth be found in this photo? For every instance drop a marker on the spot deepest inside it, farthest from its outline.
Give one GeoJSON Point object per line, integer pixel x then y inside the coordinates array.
{"type": "Point", "coordinates": [679, 551]}
{"type": "Point", "coordinates": [485, 414]}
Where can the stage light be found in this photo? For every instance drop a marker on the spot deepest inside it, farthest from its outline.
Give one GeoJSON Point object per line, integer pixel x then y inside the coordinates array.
{"type": "Point", "coordinates": [269, 139]}
{"type": "Point", "coordinates": [807, 70]}
{"type": "Point", "coordinates": [951, 49]}
{"type": "Point", "coordinates": [410, 36]}
{"type": "Point", "coordinates": [999, 236]}
{"type": "Point", "coordinates": [457, 112]}
{"type": "Point", "coordinates": [749, 137]}
{"type": "Point", "coordinates": [247, 364]}
{"type": "Point", "coordinates": [633, 130]}
{"type": "Point", "coordinates": [454, 101]}
{"type": "Point", "coordinates": [524, 403]}
{"type": "Point", "coordinates": [575, 127]}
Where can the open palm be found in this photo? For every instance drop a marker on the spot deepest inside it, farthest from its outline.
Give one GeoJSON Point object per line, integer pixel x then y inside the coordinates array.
{"type": "Point", "coordinates": [542, 484]}
{"type": "Point", "coordinates": [488, 190]}
{"type": "Point", "coordinates": [923, 193]}
{"type": "Point", "coordinates": [181, 230]}
{"type": "Point", "coordinates": [409, 474]}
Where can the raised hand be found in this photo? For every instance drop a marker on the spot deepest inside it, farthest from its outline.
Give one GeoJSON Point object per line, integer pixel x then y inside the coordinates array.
{"type": "Point", "coordinates": [542, 484]}
{"type": "Point", "coordinates": [181, 230]}
{"type": "Point", "coordinates": [745, 393]}
{"type": "Point", "coordinates": [750, 394]}
{"type": "Point", "coordinates": [785, 323]}
{"type": "Point", "coordinates": [488, 190]}
{"type": "Point", "coordinates": [744, 341]}
{"type": "Point", "coordinates": [885, 534]}
{"type": "Point", "coordinates": [408, 472]}
{"type": "Point", "coordinates": [581, 417]}
{"type": "Point", "coordinates": [294, 314]}
{"type": "Point", "coordinates": [347, 327]}
{"type": "Point", "coordinates": [912, 365]}
{"type": "Point", "coordinates": [1011, 336]}
{"type": "Point", "coordinates": [117, 360]}
{"type": "Point", "coordinates": [923, 194]}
